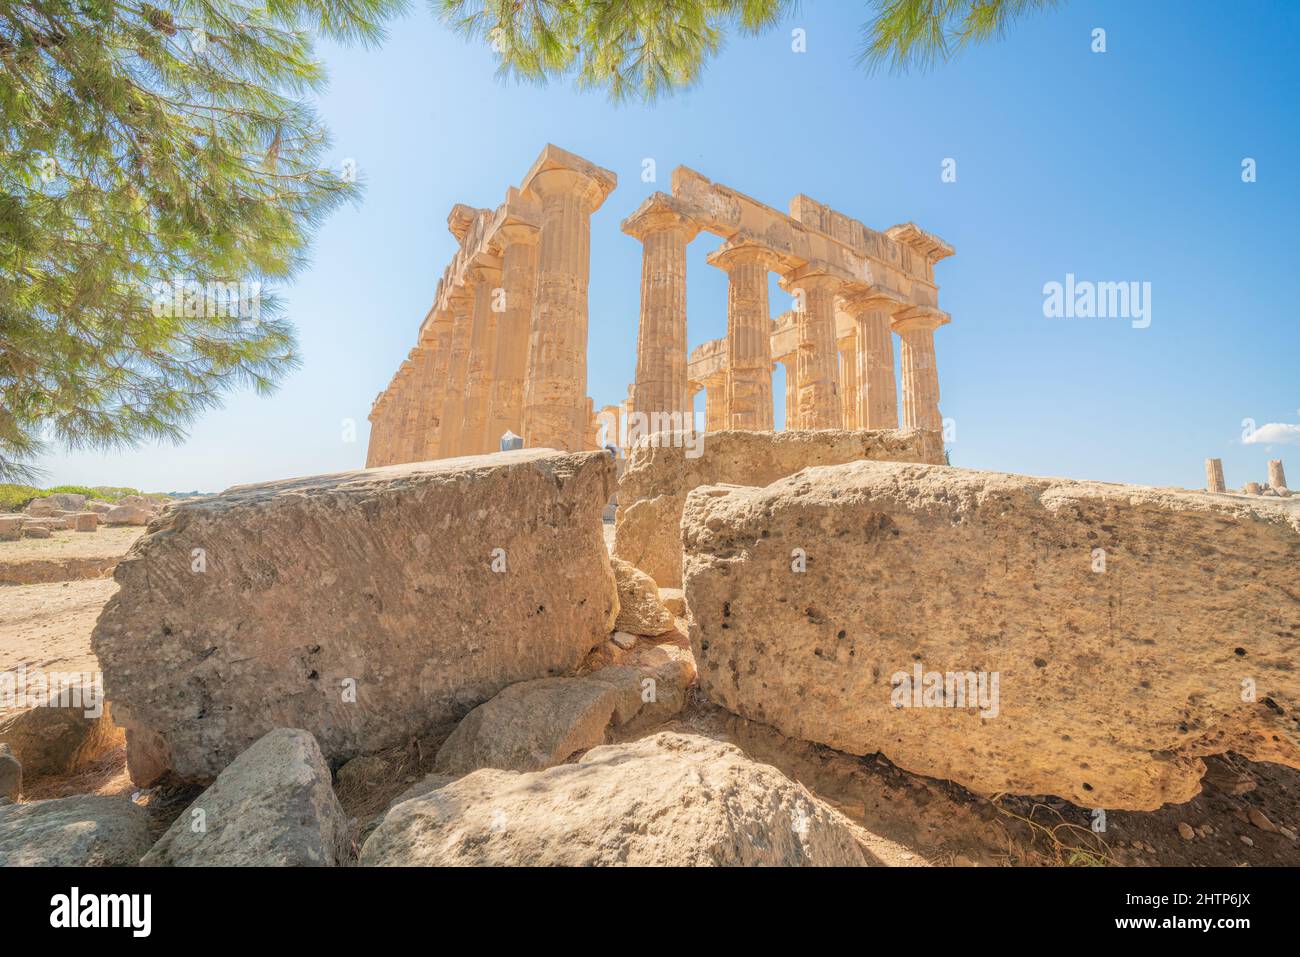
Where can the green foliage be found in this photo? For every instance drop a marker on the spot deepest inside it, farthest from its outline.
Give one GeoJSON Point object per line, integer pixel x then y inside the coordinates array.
{"type": "Point", "coordinates": [630, 48]}
{"type": "Point", "coordinates": [142, 145]}
{"type": "Point", "coordinates": [13, 498]}
{"type": "Point", "coordinates": [645, 48]}
{"type": "Point", "coordinates": [923, 33]}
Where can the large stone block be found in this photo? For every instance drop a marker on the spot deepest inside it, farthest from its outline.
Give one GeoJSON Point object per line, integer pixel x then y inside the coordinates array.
{"type": "Point", "coordinates": [362, 607]}
{"type": "Point", "coordinates": [1130, 630]}
{"type": "Point", "coordinates": [662, 470]}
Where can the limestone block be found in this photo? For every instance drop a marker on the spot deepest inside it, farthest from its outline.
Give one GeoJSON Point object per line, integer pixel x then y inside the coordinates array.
{"type": "Point", "coordinates": [363, 607]}
{"type": "Point", "coordinates": [59, 740]}
{"type": "Point", "coordinates": [666, 800]}
{"type": "Point", "coordinates": [87, 830]}
{"type": "Point", "coordinates": [639, 609]}
{"type": "Point", "coordinates": [11, 527]}
{"type": "Point", "coordinates": [1123, 625]}
{"type": "Point", "coordinates": [271, 807]}
{"type": "Point", "coordinates": [653, 488]}
{"type": "Point", "coordinates": [86, 521]}
{"type": "Point", "coordinates": [127, 515]}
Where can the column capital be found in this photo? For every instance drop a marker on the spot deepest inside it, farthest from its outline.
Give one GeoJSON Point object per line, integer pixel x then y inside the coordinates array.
{"type": "Point", "coordinates": [809, 277]}
{"type": "Point", "coordinates": [919, 317]}
{"type": "Point", "coordinates": [559, 171]}
{"type": "Point", "coordinates": [483, 268]}
{"type": "Point", "coordinates": [745, 249]}
{"type": "Point", "coordinates": [660, 212]}
{"type": "Point", "coordinates": [860, 299]}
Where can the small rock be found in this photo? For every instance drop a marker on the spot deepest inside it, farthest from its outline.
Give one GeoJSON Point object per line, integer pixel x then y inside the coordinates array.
{"type": "Point", "coordinates": [1260, 820]}
{"type": "Point", "coordinates": [639, 609]}
{"type": "Point", "coordinates": [674, 599]}
{"type": "Point", "coordinates": [57, 740]}
{"type": "Point", "coordinates": [37, 531]}
{"type": "Point", "coordinates": [624, 640]}
{"type": "Point", "coordinates": [1286, 832]}
{"type": "Point", "coordinates": [1185, 831]}
{"type": "Point", "coordinates": [1247, 841]}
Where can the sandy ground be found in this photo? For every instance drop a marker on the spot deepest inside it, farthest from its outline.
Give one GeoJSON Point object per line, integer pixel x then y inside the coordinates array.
{"type": "Point", "coordinates": [105, 541]}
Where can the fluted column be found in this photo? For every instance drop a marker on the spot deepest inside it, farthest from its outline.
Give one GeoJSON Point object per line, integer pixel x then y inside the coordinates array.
{"type": "Point", "coordinates": [915, 328]}
{"type": "Point", "coordinates": [716, 396]}
{"type": "Point", "coordinates": [791, 392]}
{"type": "Point", "coordinates": [749, 334]}
{"type": "Point", "coordinates": [877, 393]}
{"type": "Point", "coordinates": [518, 283]}
{"type": "Point", "coordinates": [660, 386]}
{"type": "Point", "coordinates": [1214, 476]}
{"type": "Point", "coordinates": [451, 437]}
{"type": "Point", "coordinates": [817, 372]}
{"type": "Point", "coordinates": [376, 417]}
{"type": "Point", "coordinates": [402, 411]}
{"type": "Point", "coordinates": [849, 382]}
{"type": "Point", "coordinates": [555, 387]}
{"type": "Point", "coordinates": [482, 356]}
{"type": "Point", "coordinates": [436, 337]}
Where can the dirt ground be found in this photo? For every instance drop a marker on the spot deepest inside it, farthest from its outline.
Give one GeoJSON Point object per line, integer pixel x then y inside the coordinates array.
{"type": "Point", "coordinates": [65, 555]}
{"type": "Point", "coordinates": [901, 819]}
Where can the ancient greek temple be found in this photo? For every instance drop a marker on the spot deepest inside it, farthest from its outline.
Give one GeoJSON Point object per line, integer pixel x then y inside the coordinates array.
{"type": "Point", "coordinates": [503, 350]}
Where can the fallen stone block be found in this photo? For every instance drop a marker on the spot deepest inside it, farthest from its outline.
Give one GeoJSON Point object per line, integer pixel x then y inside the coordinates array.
{"type": "Point", "coordinates": [639, 609]}
{"type": "Point", "coordinates": [674, 599]}
{"type": "Point", "coordinates": [1026, 635]}
{"type": "Point", "coordinates": [363, 607]}
{"type": "Point", "coordinates": [11, 528]}
{"type": "Point", "coordinates": [273, 806]}
{"type": "Point", "coordinates": [667, 800]}
{"type": "Point", "coordinates": [662, 470]}
{"type": "Point", "coordinates": [538, 724]}
{"type": "Point", "coordinates": [127, 515]}
{"type": "Point", "coordinates": [59, 740]}
{"type": "Point", "coordinates": [85, 522]}
{"type": "Point", "coordinates": [87, 830]}
{"type": "Point", "coordinates": [11, 774]}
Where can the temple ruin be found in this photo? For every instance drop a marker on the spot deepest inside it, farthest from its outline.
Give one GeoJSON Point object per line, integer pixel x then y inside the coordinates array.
{"type": "Point", "coordinates": [503, 348]}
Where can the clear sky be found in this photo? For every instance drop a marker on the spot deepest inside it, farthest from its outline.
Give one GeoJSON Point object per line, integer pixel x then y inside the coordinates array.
{"type": "Point", "coordinates": [1116, 166]}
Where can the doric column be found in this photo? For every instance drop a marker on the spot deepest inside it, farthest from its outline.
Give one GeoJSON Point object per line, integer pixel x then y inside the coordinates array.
{"type": "Point", "coordinates": [519, 283]}
{"type": "Point", "coordinates": [1276, 477]}
{"type": "Point", "coordinates": [486, 276]}
{"type": "Point", "coordinates": [376, 418]}
{"type": "Point", "coordinates": [402, 411]}
{"type": "Point", "coordinates": [849, 382]}
{"type": "Point", "coordinates": [877, 396]}
{"type": "Point", "coordinates": [664, 232]}
{"type": "Point", "coordinates": [1214, 476]}
{"type": "Point", "coordinates": [915, 327]}
{"type": "Point", "coordinates": [749, 332]}
{"type": "Point", "coordinates": [451, 439]}
{"type": "Point", "coordinates": [716, 395]}
{"type": "Point", "coordinates": [555, 388]}
{"type": "Point", "coordinates": [817, 372]}
{"type": "Point", "coordinates": [435, 335]}
{"type": "Point", "coordinates": [791, 392]}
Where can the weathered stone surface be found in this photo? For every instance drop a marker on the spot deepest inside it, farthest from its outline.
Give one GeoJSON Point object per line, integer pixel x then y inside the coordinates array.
{"type": "Point", "coordinates": [127, 515]}
{"type": "Point", "coordinates": [85, 521]}
{"type": "Point", "coordinates": [639, 609]}
{"type": "Point", "coordinates": [538, 724]}
{"type": "Point", "coordinates": [11, 528]}
{"type": "Point", "coordinates": [56, 740]}
{"type": "Point", "coordinates": [653, 489]}
{"type": "Point", "coordinates": [11, 774]}
{"type": "Point", "coordinates": [1112, 683]}
{"type": "Point", "coordinates": [380, 581]}
{"type": "Point", "coordinates": [670, 799]}
{"type": "Point", "coordinates": [68, 501]}
{"type": "Point", "coordinates": [674, 599]}
{"type": "Point", "coordinates": [37, 531]}
{"type": "Point", "coordinates": [83, 831]}
{"type": "Point", "coordinates": [272, 807]}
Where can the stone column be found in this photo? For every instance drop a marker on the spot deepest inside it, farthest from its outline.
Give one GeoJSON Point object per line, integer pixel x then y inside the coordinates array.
{"type": "Point", "coordinates": [555, 387]}
{"type": "Point", "coordinates": [376, 418]}
{"type": "Point", "coordinates": [486, 276]}
{"type": "Point", "coordinates": [660, 385]}
{"type": "Point", "coordinates": [716, 395]}
{"type": "Point", "coordinates": [849, 382]}
{"type": "Point", "coordinates": [791, 390]}
{"type": "Point", "coordinates": [436, 337]}
{"type": "Point", "coordinates": [749, 333]}
{"type": "Point", "coordinates": [519, 282]}
{"type": "Point", "coordinates": [450, 439]}
{"type": "Point", "coordinates": [402, 411]}
{"type": "Point", "coordinates": [915, 327]}
{"type": "Point", "coordinates": [1214, 476]}
{"type": "Point", "coordinates": [817, 373]}
{"type": "Point", "coordinates": [1276, 477]}
{"type": "Point", "coordinates": [877, 398]}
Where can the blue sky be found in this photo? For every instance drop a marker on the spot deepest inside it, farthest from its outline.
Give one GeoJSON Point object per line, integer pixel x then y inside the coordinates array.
{"type": "Point", "coordinates": [1115, 166]}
